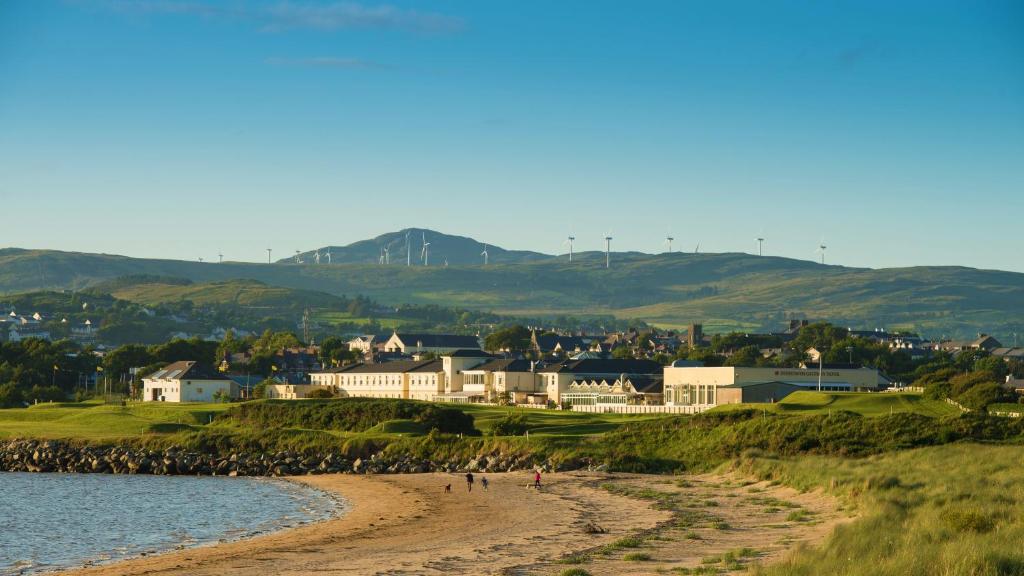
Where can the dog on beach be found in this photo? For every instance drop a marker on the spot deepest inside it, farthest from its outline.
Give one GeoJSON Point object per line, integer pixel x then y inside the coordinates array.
{"type": "Point", "coordinates": [448, 489]}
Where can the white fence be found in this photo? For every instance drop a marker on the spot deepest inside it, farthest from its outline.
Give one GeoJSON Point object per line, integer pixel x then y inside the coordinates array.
{"type": "Point", "coordinates": [639, 409]}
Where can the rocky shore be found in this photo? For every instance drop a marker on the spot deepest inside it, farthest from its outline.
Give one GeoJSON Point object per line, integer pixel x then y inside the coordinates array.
{"type": "Point", "coordinates": [60, 456]}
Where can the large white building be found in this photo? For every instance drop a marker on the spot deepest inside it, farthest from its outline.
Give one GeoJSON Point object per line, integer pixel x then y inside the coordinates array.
{"type": "Point", "coordinates": [706, 387]}
{"type": "Point", "coordinates": [442, 379]}
{"type": "Point", "coordinates": [187, 381]}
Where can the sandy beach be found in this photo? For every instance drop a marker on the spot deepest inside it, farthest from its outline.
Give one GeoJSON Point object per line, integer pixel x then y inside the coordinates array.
{"type": "Point", "coordinates": [406, 524]}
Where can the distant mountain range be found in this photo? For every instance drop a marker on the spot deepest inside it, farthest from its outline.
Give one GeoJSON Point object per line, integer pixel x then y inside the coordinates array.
{"type": "Point", "coordinates": [725, 291]}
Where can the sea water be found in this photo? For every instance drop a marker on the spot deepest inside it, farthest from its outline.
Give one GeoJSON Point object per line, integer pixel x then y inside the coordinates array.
{"type": "Point", "coordinates": [54, 521]}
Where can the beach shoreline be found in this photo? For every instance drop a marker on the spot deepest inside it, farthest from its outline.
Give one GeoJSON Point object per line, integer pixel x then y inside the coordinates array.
{"type": "Point", "coordinates": [407, 524]}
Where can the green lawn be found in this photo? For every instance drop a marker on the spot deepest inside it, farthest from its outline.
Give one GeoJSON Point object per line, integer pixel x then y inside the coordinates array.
{"type": "Point", "coordinates": [554, 422]}
{"type": "Point", "coordinates": [97, 421]}
{"type": "Point", "coordinates": [864, 403]}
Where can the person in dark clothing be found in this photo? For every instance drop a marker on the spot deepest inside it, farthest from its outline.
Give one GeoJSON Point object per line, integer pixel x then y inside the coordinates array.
{"type": "Point", "coordinates": [483, 482]}
{"type": "Point", "coordinates": [469, 481]}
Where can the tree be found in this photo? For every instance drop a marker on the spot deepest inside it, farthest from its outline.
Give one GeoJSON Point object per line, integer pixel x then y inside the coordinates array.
{"type": "Point", "coordinates": [746, 356]}
{"type": "Point", "coordinates": [515, 338]}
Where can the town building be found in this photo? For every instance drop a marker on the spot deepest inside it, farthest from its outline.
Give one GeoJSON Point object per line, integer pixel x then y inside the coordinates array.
{"type": "Point", "coordinates": [636, 390]}
{"type": "Point", "coordinates": [439, 344]}
{"type": "Point", "coordinates": [558, 377]}
{"type": "Point", "coordinates": [503, 381]}
{"type": "Point", "coordinates": [20, 327]}
{"type": "Point", "coordinates": [706, 387]}
{"type": "Point", "coordinates": [187, 381]}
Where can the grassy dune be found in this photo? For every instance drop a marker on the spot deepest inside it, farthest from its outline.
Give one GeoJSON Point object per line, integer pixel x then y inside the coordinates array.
{"type": "Point", "coordinates": [863, 404]}
{"type": "Point", "coordinates": [946, 510]}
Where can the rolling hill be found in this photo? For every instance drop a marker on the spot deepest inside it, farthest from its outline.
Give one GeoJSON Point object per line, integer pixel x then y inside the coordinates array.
{"type": "Point", "coordinates": [725, 291]}
{"type": "Point", "coordinates": [456, 250]}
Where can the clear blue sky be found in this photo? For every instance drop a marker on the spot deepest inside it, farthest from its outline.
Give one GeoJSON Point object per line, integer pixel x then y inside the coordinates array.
{"type": "Point", "coordinates": [165, 128]}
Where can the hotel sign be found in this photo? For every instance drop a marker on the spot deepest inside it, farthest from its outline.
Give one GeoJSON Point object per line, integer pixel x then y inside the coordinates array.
{"type": "Point", "coordinates": [807, 373]}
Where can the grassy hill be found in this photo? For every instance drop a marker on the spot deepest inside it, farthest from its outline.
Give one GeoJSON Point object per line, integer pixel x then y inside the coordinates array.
{"type": "Point", "coordinates": [725, 291]}
{"type": "Point", "coordinates": [245, 293]}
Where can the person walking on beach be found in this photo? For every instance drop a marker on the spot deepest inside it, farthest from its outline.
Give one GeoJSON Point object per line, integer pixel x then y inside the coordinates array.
{"type": "Point", "coordinates": [469, 481]}
{"type": "Point", "coordinates": [483, 482]}
{"type": "Point", "coordinates": [536, 480]}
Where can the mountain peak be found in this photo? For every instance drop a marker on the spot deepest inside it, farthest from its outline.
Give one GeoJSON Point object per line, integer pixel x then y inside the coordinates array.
{"type": "Point", "coordinates": [406, 246]}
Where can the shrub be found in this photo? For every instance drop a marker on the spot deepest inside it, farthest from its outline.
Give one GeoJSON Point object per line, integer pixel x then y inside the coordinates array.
{"type": "Point", "coordinates": [574, 572]}
{"type": "Point", "coordinates": [10, 396]}
{"type": "Point", "coordinates": [348, 414]}
{"type": "Point", "coordinates": [637, 557]}
{"type": "Point", "coordinates": [321, 393]}
{"type": "Point", "coordinates": [511, 425]}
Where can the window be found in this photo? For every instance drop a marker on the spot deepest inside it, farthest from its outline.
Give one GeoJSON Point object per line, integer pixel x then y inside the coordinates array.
{"type": "Point", "coordinates": [199, 390]}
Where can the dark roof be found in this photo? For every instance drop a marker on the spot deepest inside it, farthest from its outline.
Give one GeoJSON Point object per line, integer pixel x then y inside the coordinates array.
{"type": "Point", "coordinates": [186, 369]}
{"type": "Point", "coordinates": [476, 353]}
{"type": "Point", "coordinates": [606, 366]}
{"type": "Point", "coordinates": [567, 343]}
{"type": "Point", "coordinates": [439, 340]}
{"type": "Point", "coordinates": [396, 367]}
{"type": "Point", "coordinates": [504, 365]}
{"type": "Point", "coordinates": [647, 384]}
{"type": "Point", "coordinates": [432, 366]}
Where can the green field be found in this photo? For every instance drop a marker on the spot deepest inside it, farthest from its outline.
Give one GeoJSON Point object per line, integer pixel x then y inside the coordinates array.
{"type": "Point", "coordinates": [96, 421]}
{"type": "Point", "coordinates": [865, 404]}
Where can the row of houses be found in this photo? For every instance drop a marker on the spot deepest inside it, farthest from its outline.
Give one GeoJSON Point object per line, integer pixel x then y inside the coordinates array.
{"type": "Point", "coordinates": [16, 327]}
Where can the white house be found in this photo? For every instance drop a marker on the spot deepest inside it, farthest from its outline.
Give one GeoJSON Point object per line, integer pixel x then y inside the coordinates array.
{"type": "Point", "coordinates": [186, 381]}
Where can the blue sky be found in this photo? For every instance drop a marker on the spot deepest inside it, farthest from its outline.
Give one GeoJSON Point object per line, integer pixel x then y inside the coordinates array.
{"type": "Point", "coordinates": [163, 128]}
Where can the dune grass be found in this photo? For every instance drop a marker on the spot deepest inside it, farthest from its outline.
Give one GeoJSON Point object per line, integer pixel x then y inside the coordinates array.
{"type": "Point", "coordinates": [956, 509]}
{"type": "Point", "coordinates": [865, 404]}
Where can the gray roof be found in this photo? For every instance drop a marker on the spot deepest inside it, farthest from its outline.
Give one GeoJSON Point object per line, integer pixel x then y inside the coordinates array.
{"type": "Point", "coordinates": [185, 369]}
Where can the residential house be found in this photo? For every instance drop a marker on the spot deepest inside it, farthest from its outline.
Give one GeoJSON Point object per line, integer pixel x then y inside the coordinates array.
{"type": "Point", "coordinates": [187, 381]}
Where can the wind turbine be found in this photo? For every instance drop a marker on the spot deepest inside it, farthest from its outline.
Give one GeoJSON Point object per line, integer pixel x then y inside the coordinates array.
{"type": "Point", "coordinates": [269, 250]}
{"type": "Point", "coordinates": [425, 252]}
{"type": "Point", "coordinates": [328, 255]}
{"type": "Point", "coordinates": [298, 257]}
{"type": "Point", "coordinates": [484, 254]}
{"type": "Point", "coordinates": [316, 256]}
{"type": "Point", "coordinates": [608, 249]}
{"type": "Point", "coordinates": [387, 255]}
{"type": "Point", "coordinates": [760, 245]}
{"type": "Point", "coordinates": [380, 259]}
{"type": "Point", "coordinates": [697, 249]}
{"type": "Point", "coordinates": [200, 259]}
{"type": "Point", "coordinates": [668, 240]}
{"type": "Point", "coordinates": [569, 241]}
{"type": "Point", "coordinates": [220, 258]}
{"type": "Point", "coordinates": [821, 250]}
{"type": "Point", "coordinates": [408, 250]}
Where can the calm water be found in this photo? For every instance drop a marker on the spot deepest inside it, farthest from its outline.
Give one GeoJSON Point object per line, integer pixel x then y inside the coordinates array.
{"type": "Point", "coordinates": [52, 521]}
